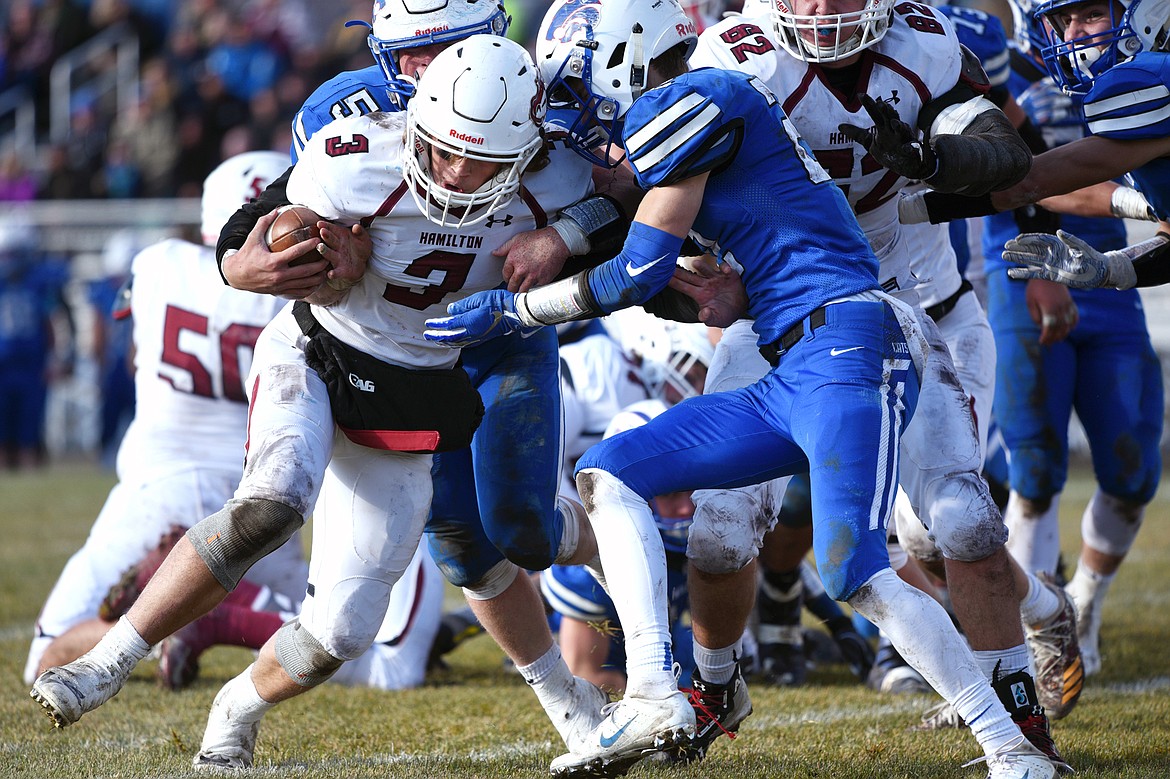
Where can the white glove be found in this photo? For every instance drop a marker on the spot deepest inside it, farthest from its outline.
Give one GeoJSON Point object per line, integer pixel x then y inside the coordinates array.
{"type": "Point", "coordinates": [1066, 259]}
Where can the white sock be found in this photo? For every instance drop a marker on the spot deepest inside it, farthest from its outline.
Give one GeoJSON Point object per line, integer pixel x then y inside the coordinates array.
{"type": "Point", "coordinates": [988, 720]}
{"type": "Point", "coordinates": [716, 666]}
{"type": "Point", "coordinates": [1040, 604]}
{"type": "Point", "coordinates": [1034, 541]}
{"type": "Point", "coordinates": [540, 669]}
{"type": "Point", "coordinates": [1005, 661]}
{"type": "Point", "coordinates": [120, 647]}
{"type": "Point", "coordinates": [631, 550]}
{"type": "Point", "coordinates": [247, 705]}
{"type": "Point", "coordinates": [924, 635]}
{"type": "Point", "coordinates": [1089, 588]}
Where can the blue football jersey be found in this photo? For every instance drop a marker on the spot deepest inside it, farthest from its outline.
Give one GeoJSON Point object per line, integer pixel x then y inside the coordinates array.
{"type": "Point", "coordinates": [1131, 101]}
{"type": "Point", "coordinates": [984, 35]}
{"type": "Point", "coordinates": [769, 208]}
{"type": "Point", "coordinates": [352, 93]}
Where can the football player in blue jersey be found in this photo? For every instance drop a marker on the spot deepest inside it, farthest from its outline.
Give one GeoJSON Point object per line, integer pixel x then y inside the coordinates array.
{"type": "Point", "coordinates": [1105, 368]}
{"type": "Point", "coordinates": [724, 165]}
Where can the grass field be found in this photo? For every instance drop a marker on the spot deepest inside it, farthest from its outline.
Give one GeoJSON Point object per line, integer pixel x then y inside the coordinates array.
{"type": "Point", "coordinates": [477, 720]}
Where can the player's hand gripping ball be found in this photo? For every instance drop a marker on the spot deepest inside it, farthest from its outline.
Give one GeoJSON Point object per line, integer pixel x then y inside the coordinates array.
{"type": "Point", "coordinates": [292, 225]}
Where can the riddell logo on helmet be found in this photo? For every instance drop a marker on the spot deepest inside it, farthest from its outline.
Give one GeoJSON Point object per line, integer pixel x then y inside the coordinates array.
{"type": "Point", "coordinates": [430, 30]}
{"type": "Point", "coordinates": [684, 30]}
{"type": "Point", "coordinates": [476, 139]}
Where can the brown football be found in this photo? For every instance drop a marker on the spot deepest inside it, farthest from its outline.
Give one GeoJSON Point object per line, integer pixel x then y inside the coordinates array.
{"type": "Point", "coordinates": [292, 225]}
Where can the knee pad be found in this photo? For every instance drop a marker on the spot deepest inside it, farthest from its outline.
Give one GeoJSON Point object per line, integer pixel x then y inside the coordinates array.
{"type": "Point", "coordinates": [913, 538]}
{"type": "Point", "coordinates": [231, 540]}
{"type": "Point", "coordinates": [965, 523]}
{"type": "Point", "coordinates": [498, 578]}
{"type": "Point", "coordinates": [574, 518]}
{"type": "Point", "coordinates": [302, 657]}
{"type": "Point", "coordinates": [1110, 524]}
{"type": "Point", "coordinates": [729, 527]}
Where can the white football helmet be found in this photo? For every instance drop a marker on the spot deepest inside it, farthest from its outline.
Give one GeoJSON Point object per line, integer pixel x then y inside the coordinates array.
{"type": "Point", "coordinates": [481, 99]}
{"type": "Point", "coordinates": [409, 24]}
{"type": "Point", "coordinates": [668, 351]}
{"type": "Point", "coordinates": [236, 181]}
{"type": "Point", "coordinates": [595, 57]}
{"type": "Point", "coordinates": [834, 36]}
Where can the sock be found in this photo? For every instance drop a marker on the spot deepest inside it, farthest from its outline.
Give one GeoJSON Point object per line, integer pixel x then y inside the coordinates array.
{"type": "Point", "coordinates": [984, 713]}
{"type": "Point", "coordinates": [238, 626]}
{"type": "Point", "coordinates": [716, 666]}
{"type": "Point", "coordinates": [779, 603]}
{"type": "Point", "coordinates": [997, 663]}
{"type": "Point", "coordinates": [634, 557]}
{"type": "Point", "coordinates": [1034, 541]}
{"type": "Point", "coordinates": [1040, 604]}
{"type": "Point", "coordinates": [1088, 586]}
{"type": "Point", "coordinates": [120, 647]}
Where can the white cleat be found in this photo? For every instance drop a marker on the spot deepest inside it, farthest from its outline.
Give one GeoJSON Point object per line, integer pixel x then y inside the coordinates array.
{"type": "Point", "coordinates": [1057, 656]}
{"type": "Point", "coordinates": [69, 691]}
{"type": "Point", "coordinates": [632, 729]}
{"type": "Point", "coordinates": [1020, 761]}
{"type": "Point", "coordinates": [228, 744]}
{"type": "Point", "coordinates": [583, 715]}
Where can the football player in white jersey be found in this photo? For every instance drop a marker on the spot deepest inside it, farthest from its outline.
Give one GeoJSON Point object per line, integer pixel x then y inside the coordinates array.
{"type": "Point", "coordinates": [426, 184]}
{"type": "Point", "coordinates": [181, 456]}
{"type": "Point", "coordinates": [885, 96]}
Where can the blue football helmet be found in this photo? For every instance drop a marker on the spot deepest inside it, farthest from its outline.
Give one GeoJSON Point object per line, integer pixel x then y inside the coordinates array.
{"type": "Point", "coordinates": [410, 24]}
{"type": "Point", "coordinates": [1134, 25]}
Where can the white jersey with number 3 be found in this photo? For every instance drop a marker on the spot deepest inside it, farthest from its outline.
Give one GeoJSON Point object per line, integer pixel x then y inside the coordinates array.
{"type": "Point", "coordinates": [351, 171]}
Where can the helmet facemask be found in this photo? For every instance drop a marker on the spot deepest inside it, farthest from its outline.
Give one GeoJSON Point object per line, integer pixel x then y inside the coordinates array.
{"type": "Point", "coordinates": [1076, 63]}
{"type": "Point", "coordinates": [833, 36]}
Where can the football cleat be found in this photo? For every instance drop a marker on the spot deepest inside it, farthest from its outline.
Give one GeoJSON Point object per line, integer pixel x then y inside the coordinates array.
{"type": "Point", "coordinates": [228, 744]}
{"type": "Point", "coordinates": [719, 709]}
{"type": "Point", "coordinates": [1020, 761]}
{"type": "Point", "coordinates": [1060, 673]}
{"type": "Point", "coordinates": [891, 674]}
{"type": "Point", "coordinates": [69, 691]}
{"type": "Point", "coordinates": [1017, 693]}
{"type": "Point", "coordinates": [178, 657]}
{"type": "Point", "coordinates": [584, 714]}
{"type": "Point", "coordinates": [633, 728]}
{"type": "Point", "coordinates": [1035, 728]}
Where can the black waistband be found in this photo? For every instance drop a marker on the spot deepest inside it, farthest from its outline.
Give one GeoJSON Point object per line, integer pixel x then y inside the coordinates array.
{"type": "Point", "coordinates": [774, 351]}
{"type": "Point", "coordinates": [305, 319]}
{"type": "Point", "coordinates": [939, 310]}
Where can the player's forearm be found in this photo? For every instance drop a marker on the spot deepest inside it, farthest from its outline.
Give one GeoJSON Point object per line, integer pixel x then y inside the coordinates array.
{"type": "Point", "coordinates": [1079, 164]}
{"type": "Point", "coordinates": [987, 154]}
{"type": "Point", "coordinates": [1096, 200]}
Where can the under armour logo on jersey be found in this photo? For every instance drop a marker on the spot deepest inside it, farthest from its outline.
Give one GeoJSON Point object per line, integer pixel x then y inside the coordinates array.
{"type": "Point", "coordinates": [365, 385]}
{"type": "Point", "coordinates": [506, 221]}
{"type": "Point", "coordinates": [893, 99]}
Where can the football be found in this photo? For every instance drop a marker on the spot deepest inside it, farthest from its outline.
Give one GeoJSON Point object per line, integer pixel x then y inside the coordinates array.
{"type": "Point", "coordinates": [292, 225]}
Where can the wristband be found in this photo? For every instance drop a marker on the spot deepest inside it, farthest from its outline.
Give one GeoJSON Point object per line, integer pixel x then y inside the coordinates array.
{"type": "Point", "coordinates": [1128, 203]}
{"type": "Point", "coordinates": [574, 237]}
{"type": "Point", "coordinates": [566, 300]}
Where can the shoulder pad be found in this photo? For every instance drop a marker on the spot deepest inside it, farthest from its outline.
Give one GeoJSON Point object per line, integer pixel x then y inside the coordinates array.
{"type": "Point", "coordinates": [972, 73]}
{"type": "Point", "coordinates": [1130, 101]}
{"type": "Point", "coordinates": [680, 130]}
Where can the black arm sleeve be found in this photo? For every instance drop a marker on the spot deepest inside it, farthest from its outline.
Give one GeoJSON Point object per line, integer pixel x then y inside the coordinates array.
{"type": "Point", "coordinates": [235, 230]}
{"type": "Point", "coordinates": [988, 155]}
{"type": "Point", "coordinates": [1153, 267]}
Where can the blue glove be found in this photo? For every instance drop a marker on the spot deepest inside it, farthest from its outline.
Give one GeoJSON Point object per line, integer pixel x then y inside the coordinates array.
{"type": "Point", "coordinates": [477, 318]}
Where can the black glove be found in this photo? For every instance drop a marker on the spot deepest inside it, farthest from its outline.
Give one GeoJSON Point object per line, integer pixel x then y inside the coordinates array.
{"type": "Point", "coordinates": [892, 142]}
{"type": "Point", "coordinates": [1034, 218]}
